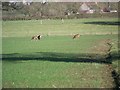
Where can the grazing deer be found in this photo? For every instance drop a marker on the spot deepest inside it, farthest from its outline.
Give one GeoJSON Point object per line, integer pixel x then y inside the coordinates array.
{"type": "Point", "coordinates": [76, 36]}
{"type": "Point", "coordinates": [36, 37]}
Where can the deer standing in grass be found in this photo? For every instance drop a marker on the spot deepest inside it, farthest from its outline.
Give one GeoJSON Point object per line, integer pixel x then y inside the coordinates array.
{"type": "Point", "coordinates": [36, 37]}
{"type": "Point", "coordinates": [76, 36]}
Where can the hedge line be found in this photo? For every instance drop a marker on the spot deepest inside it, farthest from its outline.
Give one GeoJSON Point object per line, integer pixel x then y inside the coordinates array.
{"type": "Point", "coordinates": [94, 15]}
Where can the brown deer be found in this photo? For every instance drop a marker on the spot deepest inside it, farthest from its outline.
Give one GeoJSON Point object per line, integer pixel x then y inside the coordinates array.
{"type": "Point", "coordinates": [36, 37]}
{"type": "Point", "coordinates": [76, 36]}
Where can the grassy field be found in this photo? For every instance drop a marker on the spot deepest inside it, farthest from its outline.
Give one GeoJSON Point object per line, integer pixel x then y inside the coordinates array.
{"type": "Point", "coordinates": [58, 61]}
{"type": "Point", "coordinates": [55, 27]}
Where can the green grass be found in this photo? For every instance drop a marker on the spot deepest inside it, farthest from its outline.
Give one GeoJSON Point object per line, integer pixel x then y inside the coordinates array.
{"type": "Point", "coordinates": [55, 27]}
{"type": "Point", "coordinates": [64, 44]}
{"type": "Point", "coordinates": [55, 61]}
{"type": "Point", "coordinates": [37, 74]}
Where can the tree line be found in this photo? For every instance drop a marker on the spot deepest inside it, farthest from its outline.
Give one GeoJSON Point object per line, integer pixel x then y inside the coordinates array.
{"type": "Point", "coordinates": [49, 10]}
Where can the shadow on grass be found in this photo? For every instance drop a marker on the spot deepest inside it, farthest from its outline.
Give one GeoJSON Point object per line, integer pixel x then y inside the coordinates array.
{"type": "Point", "coordinates": [59, 57]}
{"type": "Point", "coordinates": [103, 23]}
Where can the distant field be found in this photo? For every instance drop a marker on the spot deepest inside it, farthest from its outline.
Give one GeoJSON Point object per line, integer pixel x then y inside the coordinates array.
{"type": "Point", "coordinates": [58, 61]}
{"type": "Point", "coordinates": [56, 27]}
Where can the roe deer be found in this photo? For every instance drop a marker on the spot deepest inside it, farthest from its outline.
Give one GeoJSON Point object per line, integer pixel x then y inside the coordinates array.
{"type": "Point", "coordinates": [76, 36]}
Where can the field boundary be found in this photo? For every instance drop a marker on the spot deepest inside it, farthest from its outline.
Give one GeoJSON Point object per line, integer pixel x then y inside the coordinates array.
{"type": "Point", "coordinates": [52, 34]}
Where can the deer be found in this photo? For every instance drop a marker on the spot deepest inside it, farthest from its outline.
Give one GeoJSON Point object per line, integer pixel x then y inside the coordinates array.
{"type": "Point", "coordinates": [36, 37]}
{"type": "Point", "coordinates": [76, 36]}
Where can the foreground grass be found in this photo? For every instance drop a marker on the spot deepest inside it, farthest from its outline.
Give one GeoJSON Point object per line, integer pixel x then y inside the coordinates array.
{"type": "Point", "coordinates": [46, 74]}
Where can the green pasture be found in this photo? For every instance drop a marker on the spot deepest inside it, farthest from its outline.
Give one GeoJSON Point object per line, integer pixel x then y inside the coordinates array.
{"type": "Point", "coordinates": [57, 61]}
{"type": "Point", "coordinates": [56, 27]}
